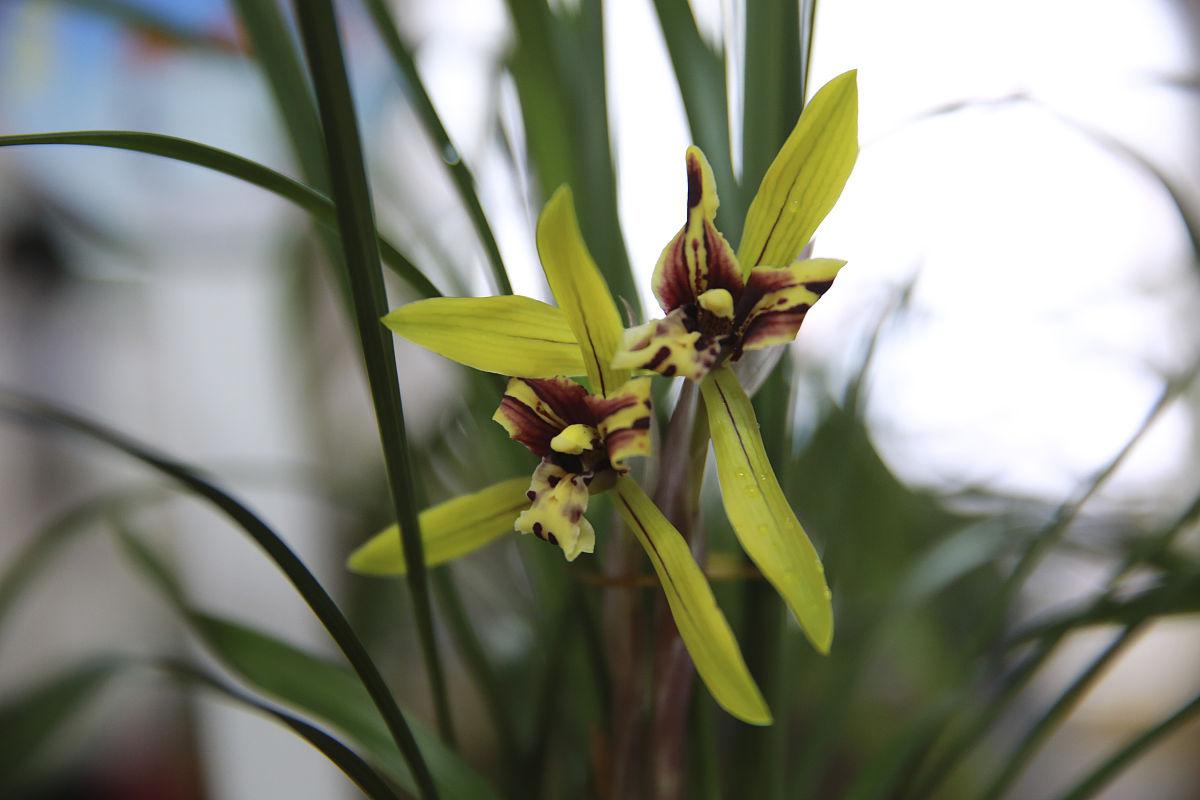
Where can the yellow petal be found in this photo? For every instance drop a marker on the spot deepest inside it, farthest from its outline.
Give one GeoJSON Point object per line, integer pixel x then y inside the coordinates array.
{"type": "Point", "coordinates": [448, 530]}
{"type": "Point", "coordinates": [580, 291]}
{"type": "Point", "coordinates": [761, 517]}
{"type": "Point", "coordinates": [806, 178]}
{"type": "Point", "coordinates": [701, 624]}
{"type": "Point", "coordinates": [508, 335]}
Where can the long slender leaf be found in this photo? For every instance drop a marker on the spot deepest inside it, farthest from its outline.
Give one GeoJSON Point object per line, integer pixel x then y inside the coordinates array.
{"type": "Point", "coordinates": [460, 173]}
{"type": "Point", "coordinates": [772, 94]}
{"type": "Point", "coordinates": [29, 722]}
{"type": "Point", "coordinates": [1112, 766]}
{"type": "Point", "coordinates": [277, 53]}
{"type": "Point", "coordinates": [700, 72]}
{"type": "Point", "coordinates": [968, 733]}
{"type": "Point", "coordinates": [293, 568]}
{"type": "Point", "coordinates": [202, 155]}
{"type": "Point", "coordinates": [558, 66]}
{"type": "Point", "coordinates": [356, 220]}
{"type": "Point", "coordinates": [326, 691]}
{"type": "Point", "coordinates": [348, 761]}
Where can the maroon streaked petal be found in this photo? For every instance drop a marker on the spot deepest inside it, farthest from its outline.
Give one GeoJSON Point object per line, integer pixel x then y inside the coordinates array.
{"type": "Point", "coordinates": [698, 258]}
{"type": "Point", "coordinates": [624, 421]}
{"type": "Point", "coordinates": [534, 411]}
{"type": "Point", "coordinates": [776, 300]}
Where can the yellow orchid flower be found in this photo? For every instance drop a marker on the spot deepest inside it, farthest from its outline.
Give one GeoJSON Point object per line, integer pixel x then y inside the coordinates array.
{"type": "Point", "coordinates": [583, 438]}
{"type": "Point", "coordinates": [583, 441]}
{"type": "Point", "coordinates": [719, 304]}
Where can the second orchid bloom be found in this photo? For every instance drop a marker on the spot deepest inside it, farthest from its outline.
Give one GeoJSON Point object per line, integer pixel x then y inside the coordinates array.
{"type": "Point", "coordinates": [718, 304]}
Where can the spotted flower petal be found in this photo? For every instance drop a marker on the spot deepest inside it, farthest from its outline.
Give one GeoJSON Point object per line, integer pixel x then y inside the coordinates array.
{"type": "Point", "coordinates": [623, 421]}
{"type": "Point", "coordinates": [776, 299]}
{"type": "Point", "coordinates": [535, 411]}
{"type": "Point", "coordinates": [556, 515]}
{"type": "Point", "coordinates": [698, 258]}
{"type": "Point", "coordinates": [667, 347]}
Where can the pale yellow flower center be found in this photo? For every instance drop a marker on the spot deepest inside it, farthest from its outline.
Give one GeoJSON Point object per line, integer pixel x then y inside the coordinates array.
{"type": "Point", "coordinates": [718, 302]}
{"type": "Point", "coordinates": [574, 439]}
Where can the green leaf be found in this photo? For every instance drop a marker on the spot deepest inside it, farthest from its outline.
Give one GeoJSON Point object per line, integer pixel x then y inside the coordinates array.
{"type": "Point", "coordinates": [701, 624]}
{"type": "Point", "coordinates": [772, 86]}
{"type": "Point", "coordinates": [507, 335]}
{"type": "Point", "coordinates": [325, 690]}
{"type": "Point", "coordinates": [201, 155]}
{"type": "Point", "coordinates": [1091, 785]}
{"type": "Point", "coordinates": [339, 754]}
{"type": "Point", "coordinates": [449, 529]}
{"type": "Point", "coordinates": [700, 73]}
{"type": "Point", "coordinates": [805, 180]}
{"type": "Point", "coordinates": [30, 721]}
{"type": "Point", "coordinates": [764, 523]}
{"type": "Point", "coordinates": [356, 220]}
{"type": "Point", "coordinates": [558, 66]}
{"type": "Point", "coordinates": [297, 573]}
{"type": "Point", "coordinates": [581, 291]}
{"type": "Point", "coordinates": [460, 173]}
{"type": "Point", "coordinates": [274, 48]}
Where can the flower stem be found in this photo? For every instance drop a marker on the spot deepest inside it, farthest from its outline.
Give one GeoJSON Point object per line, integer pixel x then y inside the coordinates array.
{"type": "Point", "coordinates": [677, 493]}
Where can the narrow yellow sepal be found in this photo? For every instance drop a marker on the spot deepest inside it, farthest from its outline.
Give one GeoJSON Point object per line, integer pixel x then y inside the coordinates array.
{"type": "Point", "coordinates": [508, 335]}
{"type": "Point", "coordinates": [764, 523]}
{"type": "Point", "coordinates": [448, 530]}
{"type": "Point", "coordinates": [702, 626]}
{"type": "Point", "coordinates": [805, 179]}
{"type": "Point", "coordinates": [580, 291]}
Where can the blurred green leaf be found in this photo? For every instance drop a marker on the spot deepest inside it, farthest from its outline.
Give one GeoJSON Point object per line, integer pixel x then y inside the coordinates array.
{"type": "Point", "coordinates": [30, 721]}
{"type": "Point", "coordinates": [460, 173]}
{"type": "Point", "coordinates": [305, 582]}
{"type": "Point", "coordinates": [1091, 785]}
{"type": "Point", "coordinates": [318, 687]}
{"type": "Point", "coordinates": [235, 166]}
{"type": "Point", "coordinates": [34, 717]}
{"type": "Point", "coordinates": [700, 72]}
{"type": "Point", "coordinates": [339, 754]}
{"type": "Point", "coordinates": [558, 66]}
{"type": "Point", "coordinates": [772, 88]}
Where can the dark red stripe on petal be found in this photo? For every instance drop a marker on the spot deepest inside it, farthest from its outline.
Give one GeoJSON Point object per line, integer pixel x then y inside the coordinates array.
{"type": "Point", "coordinates": [527, 427]}
{"type": "Point", "coordinates": [566, 398]}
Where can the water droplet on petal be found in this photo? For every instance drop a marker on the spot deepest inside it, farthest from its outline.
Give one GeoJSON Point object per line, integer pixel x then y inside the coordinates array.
{"type": "Point", "coordinates": [450, 155]}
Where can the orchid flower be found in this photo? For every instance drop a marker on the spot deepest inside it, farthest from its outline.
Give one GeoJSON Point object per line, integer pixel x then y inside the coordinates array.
{"type": "Point", "coordinates": [582, 434]}
{"type": "Point", "coordinates": [718, 304]}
